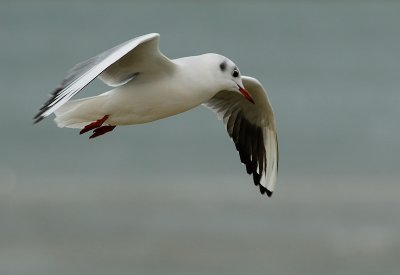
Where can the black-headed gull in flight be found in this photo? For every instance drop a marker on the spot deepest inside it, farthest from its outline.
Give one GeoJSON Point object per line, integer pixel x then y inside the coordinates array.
{"type": "Point", "coordinates": [149, 86]}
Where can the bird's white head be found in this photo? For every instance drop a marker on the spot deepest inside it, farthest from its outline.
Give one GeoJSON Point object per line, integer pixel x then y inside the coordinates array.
{"type": "Point", "coordinates": [226, 75]}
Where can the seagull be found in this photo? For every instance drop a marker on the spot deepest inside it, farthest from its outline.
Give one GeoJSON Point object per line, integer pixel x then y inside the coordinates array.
{"type": "Point", "coordinates": [148, 86]}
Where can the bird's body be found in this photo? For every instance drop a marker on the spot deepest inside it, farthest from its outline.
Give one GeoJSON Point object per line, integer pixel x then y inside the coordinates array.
{"type": "Point", "coordinates": [148, 86]}
{"type": "Point", "coordinates": [128, 104]}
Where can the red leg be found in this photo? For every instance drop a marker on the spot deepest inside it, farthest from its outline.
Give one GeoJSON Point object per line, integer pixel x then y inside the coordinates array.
{"type": "Point", "coordinates": [94, 125]}
{"type": "Point", "coordinates": [102, 130]}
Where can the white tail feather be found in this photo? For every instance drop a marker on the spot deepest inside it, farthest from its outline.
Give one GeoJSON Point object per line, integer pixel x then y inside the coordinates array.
{"type": "Point", "coordinates": [80, 112]}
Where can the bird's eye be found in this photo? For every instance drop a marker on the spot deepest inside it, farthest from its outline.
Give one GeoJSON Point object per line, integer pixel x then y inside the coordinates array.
{"type": "Point", "coordinates": [235, 73]}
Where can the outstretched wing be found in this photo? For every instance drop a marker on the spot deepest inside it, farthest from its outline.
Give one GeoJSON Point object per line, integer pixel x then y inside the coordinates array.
{"type": "Point", "coordinates": [114, 67]}
{"type": "Point", "coordinates": [252, 129]}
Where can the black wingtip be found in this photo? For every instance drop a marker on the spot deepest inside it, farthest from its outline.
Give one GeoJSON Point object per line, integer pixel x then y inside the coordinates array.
{"type": "Point", "coordinates": [36, 121]}
{"type": "Point", "coordinates": [264, 190]}
{"type": "Point", "coordinates": [37, 118]}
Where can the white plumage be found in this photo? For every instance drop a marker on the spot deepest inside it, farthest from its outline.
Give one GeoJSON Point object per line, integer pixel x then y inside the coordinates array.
{"type": "Point", "coordinates": [148, 86]}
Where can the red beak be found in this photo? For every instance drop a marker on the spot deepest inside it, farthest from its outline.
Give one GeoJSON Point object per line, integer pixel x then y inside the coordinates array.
{"type": "Point", "coordinates": [246, 94]}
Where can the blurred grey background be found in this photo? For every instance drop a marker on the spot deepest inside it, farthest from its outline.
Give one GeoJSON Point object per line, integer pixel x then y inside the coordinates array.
{"type": "Point", "coordinates": [171, 197]}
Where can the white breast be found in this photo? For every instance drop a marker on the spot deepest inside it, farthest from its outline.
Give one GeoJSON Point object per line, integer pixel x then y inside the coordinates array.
{"type": "Point", "coordinates": [141, 100]}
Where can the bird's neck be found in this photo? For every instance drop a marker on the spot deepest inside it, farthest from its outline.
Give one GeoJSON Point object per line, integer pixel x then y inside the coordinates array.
{"type": "Point", "coordinates": [196, 78]}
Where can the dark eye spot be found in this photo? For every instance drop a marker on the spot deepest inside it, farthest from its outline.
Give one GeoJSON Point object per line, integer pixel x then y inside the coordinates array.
{"type": "Point", "coordinates": [222, 66]}
{"type": "Point", "coordinates": [235, 73]}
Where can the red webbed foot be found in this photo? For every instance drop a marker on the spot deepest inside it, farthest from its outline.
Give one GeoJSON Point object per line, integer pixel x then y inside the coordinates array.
{"type": "Point", "coordinates": [101, 131]}
{"type": "Point", "coordinates": [94, 125]}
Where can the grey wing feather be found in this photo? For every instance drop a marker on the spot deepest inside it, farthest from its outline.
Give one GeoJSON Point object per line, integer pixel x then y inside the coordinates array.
{"type": "Point", "coordinates": [145, 58]}
{"type": "Point", "coordinates": [252, 129]}
{"type": "Point", "coordinates": [84, 73]}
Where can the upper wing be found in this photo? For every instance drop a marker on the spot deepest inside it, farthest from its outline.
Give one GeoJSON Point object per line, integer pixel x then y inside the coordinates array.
{"type": "Point", "coordinates": [114, 67]}
{"type": "Point", "coordinates": [252, 129]}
